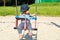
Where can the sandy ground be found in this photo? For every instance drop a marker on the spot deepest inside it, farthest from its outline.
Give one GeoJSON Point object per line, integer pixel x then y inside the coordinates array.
{"type": "Point", "coordinates": [46, 29]}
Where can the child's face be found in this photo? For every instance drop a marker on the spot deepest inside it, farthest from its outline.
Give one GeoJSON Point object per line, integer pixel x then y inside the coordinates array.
{"type": "Point", "coordinates": [27, 12]}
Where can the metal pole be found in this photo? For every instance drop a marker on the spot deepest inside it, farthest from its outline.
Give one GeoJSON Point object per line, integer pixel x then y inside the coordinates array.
{"type": "Point", "coordinates": [35, 9]}
{"type": "Point", "coordinates": [16, 8]}
{"type": "Point", "coordinates": [35, 14]}
{"type": "Point", "coordinates": [16, 15]}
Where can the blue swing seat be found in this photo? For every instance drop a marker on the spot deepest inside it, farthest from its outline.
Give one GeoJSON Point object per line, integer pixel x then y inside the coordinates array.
{"type": "Point", "coordinates": [30, 18]}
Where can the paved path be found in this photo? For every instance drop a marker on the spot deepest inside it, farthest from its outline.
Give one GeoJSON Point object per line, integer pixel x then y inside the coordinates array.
{"type": "Point", "coordinates": [46, 29]}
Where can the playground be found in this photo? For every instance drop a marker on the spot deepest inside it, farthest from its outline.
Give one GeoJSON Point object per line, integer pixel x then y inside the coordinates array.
{"type": "Point", "coordinates": [41, 21]}
{"type": "Point", "coordinates": [48, 28]}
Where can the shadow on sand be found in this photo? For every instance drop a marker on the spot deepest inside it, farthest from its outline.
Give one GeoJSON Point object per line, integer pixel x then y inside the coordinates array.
{"type": "Point", "coordinates": [55, 24]}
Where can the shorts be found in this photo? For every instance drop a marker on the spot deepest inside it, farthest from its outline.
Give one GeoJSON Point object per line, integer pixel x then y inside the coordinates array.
{"type": "Point", "coordinates": [21, 26]}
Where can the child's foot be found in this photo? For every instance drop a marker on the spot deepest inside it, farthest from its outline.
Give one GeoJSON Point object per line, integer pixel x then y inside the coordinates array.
{"type": "Point", "coordinates": [28, 37]}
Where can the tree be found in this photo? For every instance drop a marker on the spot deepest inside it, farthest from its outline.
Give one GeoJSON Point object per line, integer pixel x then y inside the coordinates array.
{"type": "Point", "coordinates": [4, 2]}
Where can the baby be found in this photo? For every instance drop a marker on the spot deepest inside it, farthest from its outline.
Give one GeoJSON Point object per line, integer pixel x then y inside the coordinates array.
{"type": "Point", "coordinates": [26, 15]}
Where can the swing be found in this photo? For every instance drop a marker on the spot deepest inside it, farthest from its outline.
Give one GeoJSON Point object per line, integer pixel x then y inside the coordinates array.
{"type": "Point", "coordinates": [31, 18]}
{"type": "Point", "coordinates": [19, 17]}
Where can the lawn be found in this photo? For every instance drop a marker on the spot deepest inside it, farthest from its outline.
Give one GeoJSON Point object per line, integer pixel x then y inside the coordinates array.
{"type": "Point", "coordinates": [45, 9]}
{"type": "Point", "coordinates": [7, 11]}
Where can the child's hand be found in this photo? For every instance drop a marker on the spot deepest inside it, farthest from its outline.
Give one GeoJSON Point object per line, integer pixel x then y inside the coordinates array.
{"type": "Point", "coordinates": [34, 14]}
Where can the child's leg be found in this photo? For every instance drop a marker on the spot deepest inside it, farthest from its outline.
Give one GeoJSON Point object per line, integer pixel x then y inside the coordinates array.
{"type": "Point", "coordinates": [20, 36]}
{"type": "Point", "coordinates": [20, 30]}
{"type": "Point", "coordinates": [29, 27]}
{"type": "Point", "coordinates": [30, 32]}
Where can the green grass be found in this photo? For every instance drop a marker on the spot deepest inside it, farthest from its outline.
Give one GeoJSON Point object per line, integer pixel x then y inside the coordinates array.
{"type": "Point", "coordinates": [7, 11]}
{"type": "Point", "coordinates": [45, 9]}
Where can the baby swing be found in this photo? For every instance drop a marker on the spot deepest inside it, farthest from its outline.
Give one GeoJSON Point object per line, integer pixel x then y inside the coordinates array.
{"type": "Point", "coordinates": [32, 18]}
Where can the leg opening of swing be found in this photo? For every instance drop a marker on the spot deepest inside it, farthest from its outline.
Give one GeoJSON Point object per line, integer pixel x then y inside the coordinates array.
{"type": "Point", "coordinates": [15, 27]}
{"type": "Point", "coordinates": [34, 28]}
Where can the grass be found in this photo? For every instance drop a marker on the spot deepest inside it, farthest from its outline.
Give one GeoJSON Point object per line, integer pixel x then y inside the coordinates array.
{"type": "Point", "coordinates": [7, 11]}
{"type": "Point", "coordinates": [45, 9]}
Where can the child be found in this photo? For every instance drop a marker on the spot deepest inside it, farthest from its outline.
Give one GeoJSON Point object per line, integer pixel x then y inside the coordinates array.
{"type": "Point", "coordinates": [25, 13]}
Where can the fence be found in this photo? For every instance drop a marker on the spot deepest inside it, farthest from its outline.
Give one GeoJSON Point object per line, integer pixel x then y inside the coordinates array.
{"type": "Point", "coordinates": [40, 1]}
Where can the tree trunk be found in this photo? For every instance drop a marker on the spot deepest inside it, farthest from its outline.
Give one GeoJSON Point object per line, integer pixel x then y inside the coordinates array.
{"type": "Point", "coordinates": [4, 2]}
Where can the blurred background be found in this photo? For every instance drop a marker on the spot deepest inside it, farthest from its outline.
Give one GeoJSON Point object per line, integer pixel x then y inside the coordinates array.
{"type": "Point", "coordinates": [44, 7]}
{"type": "Point", "coordinates": [12, 2]}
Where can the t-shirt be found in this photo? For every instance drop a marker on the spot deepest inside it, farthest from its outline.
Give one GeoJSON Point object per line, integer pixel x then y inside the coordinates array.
{"type": "Point", "coordinates": [25, 16]}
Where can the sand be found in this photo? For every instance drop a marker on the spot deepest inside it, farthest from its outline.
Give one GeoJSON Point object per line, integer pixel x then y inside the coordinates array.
{"type": "Point", "coordinates": [46, 30]}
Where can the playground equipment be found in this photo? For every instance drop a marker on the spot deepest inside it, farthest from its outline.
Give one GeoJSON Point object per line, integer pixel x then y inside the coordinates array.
{"type": "Point", "coordinates": [31, 18]}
